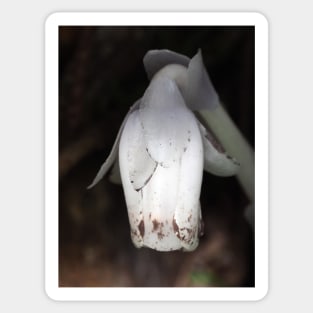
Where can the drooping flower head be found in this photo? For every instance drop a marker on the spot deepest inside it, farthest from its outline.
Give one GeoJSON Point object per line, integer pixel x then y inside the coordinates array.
{"type": "Point", "coordinates": [161, 151]}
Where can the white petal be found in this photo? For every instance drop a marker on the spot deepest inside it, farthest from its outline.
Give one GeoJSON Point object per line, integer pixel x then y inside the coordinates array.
{"type": "Point", "coordinates": [132, 197]}
{"type": "Point", "coordinates": [188, 214]}
{"type": "Point", "coordinates": [159, 201]}
{"type": "Point", "coordinates": [165, 120]}
{"type": "Point", "coordinates": [113, 154]}
{"type": "Point", "coordinates": [165, 213]}
{"type": "Point", "coordinates": [154, 60]}
{"type": "Point", "coordinates": [140, 165]}
{"type": "Point", "coordinates": [217, 162]}
{"type": "Point", "coordinates": [201, 93]}
{"type": "Point", "coordinates": [170, 200]}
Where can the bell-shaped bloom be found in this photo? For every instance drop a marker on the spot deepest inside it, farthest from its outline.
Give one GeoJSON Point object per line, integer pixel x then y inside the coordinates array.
{"type": "Point", "coordinates": [161, 150]}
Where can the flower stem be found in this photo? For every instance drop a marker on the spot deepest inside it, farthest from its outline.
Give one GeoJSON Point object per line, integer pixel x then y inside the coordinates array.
{"type": "Point", "coordinates": [237, 146]}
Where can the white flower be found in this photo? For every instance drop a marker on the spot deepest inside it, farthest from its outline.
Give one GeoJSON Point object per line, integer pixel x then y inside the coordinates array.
{"type": "Point", "coordinates": [162, 150]}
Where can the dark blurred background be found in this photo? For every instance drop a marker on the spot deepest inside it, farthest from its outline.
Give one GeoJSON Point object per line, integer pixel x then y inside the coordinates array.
{"type": "Point", "coordinates": [101, 75]}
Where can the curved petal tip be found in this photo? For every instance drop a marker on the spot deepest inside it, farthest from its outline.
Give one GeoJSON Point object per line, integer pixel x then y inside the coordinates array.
{"type": "Point", "coordinates": [154, 60]}
{"type": "Point", "coordinates": [201, 92]}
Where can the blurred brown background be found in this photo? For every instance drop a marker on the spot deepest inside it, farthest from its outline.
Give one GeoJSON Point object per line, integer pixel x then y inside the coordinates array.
{"type": "Point", "coordinates": [101, 76]}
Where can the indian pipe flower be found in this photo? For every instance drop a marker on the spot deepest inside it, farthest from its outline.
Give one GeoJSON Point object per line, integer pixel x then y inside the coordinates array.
{"type": "Point", "coordinates": [161, 150]}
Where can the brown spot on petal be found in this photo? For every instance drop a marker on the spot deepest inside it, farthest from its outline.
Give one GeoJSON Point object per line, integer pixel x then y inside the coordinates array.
{"type": "Point", "coordinates": [141, 228]}
{"type": "Point", "coordinates": [156, 225]}
{"type": "Point", "coordinates": [176, 228]}
{"type": "Point", "coordinates": [160, 235]}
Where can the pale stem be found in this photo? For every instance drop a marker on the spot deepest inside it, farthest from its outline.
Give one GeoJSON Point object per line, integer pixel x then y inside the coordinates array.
{"type": "Point", "coordinates": [237, 146]}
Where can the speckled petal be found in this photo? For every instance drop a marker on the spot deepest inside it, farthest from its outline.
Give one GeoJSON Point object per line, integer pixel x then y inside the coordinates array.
{"type": "Point", "coordinates": [132, 197]}
{"type": "Point", "coordinates": [187, 218]}
{"type": "Point", "coordinates": [140, 165]}
{"type": "Point", "coordinates": [170, 201]}
{"type": "Point", "coordinates": [166, 120]}
{"type": "Point", "coordinates": [215, 161]}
